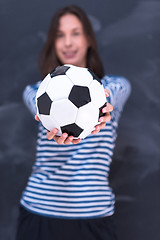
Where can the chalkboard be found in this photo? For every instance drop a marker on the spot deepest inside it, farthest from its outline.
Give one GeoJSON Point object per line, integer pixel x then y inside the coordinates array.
{"type": "Point", "coordinates": [128, 38]}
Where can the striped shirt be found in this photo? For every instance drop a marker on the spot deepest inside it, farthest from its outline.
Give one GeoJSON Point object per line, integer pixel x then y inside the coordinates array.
{"type": "Point", "coordinates": [71, 181]}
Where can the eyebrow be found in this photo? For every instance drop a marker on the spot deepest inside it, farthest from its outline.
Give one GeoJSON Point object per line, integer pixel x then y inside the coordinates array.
{"type": "Point", "coordinates": [74, 29]}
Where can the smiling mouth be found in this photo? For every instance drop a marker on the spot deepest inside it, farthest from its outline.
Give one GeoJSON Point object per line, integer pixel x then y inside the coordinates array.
{"type": "Point", "coordinates": [70, 54]}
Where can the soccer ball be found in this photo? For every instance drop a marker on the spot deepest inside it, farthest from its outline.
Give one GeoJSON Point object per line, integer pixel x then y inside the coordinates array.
{"type": "Point", "coordinates": [70, 99]}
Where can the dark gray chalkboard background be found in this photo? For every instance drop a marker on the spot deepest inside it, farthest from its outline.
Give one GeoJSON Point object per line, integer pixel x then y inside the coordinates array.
{"type": "Point", "coordinates": [128, 34]}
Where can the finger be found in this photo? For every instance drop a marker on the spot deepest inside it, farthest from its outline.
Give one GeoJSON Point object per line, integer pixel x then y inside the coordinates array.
{"type": "Point", "coordinates": [68, 140]}
{"type": "Point", "coordinates": [51, 134]}
{"type": "Point", "coordinates": [61, 139]}
{"type": "Point", "coordinates": [76, 141]}
{"type": "Point", "coordinates": [95, 131]}
{"type": "Point", "coordinates": [105, 118]}
{"type": "Point", "coordinates": [37, 118]}
{"type": "Point", "coordinates": [100, 126]}
{"type": "Point", "coordinates": [106, 92]}
{"type": "Point", "coordinates": [107, 108]}
{"type": "Point", "coordinates": [97, 128]}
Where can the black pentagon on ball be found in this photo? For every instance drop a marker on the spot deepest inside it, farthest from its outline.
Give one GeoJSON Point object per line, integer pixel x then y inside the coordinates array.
{"type": "Point", "coordinates": [60, 70]}
{"type": "Point", "coordinates": [44, 104]}
{"type": "Point", "coordinates": [72, 130]}
{"type": "Point", "coordinates": [79, 96]}
{"type": "Point", "coordinates": [95, 76]}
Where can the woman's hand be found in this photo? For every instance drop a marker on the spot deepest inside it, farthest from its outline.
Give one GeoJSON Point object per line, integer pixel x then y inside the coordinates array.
{"type": "Point", "coordinates": [63, 139]}
{"type": "Point", "coordinates": [106, 118]}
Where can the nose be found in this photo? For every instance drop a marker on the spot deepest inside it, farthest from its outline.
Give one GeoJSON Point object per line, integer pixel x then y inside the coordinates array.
{"type": "Point", "coordinates": [68, 40]}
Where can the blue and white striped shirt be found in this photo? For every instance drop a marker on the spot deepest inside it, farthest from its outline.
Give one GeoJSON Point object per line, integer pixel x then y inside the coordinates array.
{"type": "Point", "coordinates": [71, 181]}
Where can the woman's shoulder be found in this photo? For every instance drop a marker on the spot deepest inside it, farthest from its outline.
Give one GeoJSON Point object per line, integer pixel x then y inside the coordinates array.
{"type": "Point", "coordinates": [31, 88]}
{"type": "Point", "coordinates": [114, 78]}
{"type": "Point", "coordinates": [116, 81]}
{"type": "Point", "coordinates": [34, 85]}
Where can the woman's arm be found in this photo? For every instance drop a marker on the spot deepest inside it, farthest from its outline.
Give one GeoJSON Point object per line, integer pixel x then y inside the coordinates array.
{"type": "Point", "coordinates": [119, 91]}
{"type": "Point", "coordinates": [29, 96]}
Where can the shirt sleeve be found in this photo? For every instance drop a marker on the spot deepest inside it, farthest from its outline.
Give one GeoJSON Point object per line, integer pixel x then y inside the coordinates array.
{"type": "Point", "coordinates": [29, 97]}
{"type": "Point", "coordinates": [119, 91]}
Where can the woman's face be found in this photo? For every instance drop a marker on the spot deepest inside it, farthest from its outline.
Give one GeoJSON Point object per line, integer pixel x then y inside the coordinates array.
{"type": "Point", "coordinates": [71, 44]}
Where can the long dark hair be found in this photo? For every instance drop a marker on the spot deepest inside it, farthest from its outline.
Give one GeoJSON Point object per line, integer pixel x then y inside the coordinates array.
{"type": "Point", "coordinates": [48, 59]}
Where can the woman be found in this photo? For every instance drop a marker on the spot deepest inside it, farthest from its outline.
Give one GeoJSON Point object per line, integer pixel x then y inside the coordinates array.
{"type": "Point", "coordinates": [68, 194]}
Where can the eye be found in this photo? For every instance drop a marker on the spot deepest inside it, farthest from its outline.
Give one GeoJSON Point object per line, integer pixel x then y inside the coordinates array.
{"type": "Point", "coordinates": [60, 35]}
{"type": "Point", "coordinates": [76, 33]}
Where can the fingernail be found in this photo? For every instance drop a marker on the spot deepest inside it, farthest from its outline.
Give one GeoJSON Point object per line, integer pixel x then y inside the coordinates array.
{"type": "Point", "coordinates": [97, 128]}
{"type": "Point", "coordinates": [54, 131]}
{"type": "Point", "coordinates": [65, 135]}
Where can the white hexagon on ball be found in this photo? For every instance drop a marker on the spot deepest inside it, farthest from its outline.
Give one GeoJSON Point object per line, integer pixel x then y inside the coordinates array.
{"type": "Point", "coordinates": [97, 93]}
{"type": "Point", "coordinates": [64, 112]}
{"type": "Point", "coordinates": [87, 116]}
{"type": "Point", "coordinates": [49, 123]}
{"type": "Point", "coordinates": [59, 87]}
{"type": "Point", "coordinates": [79, 76]}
